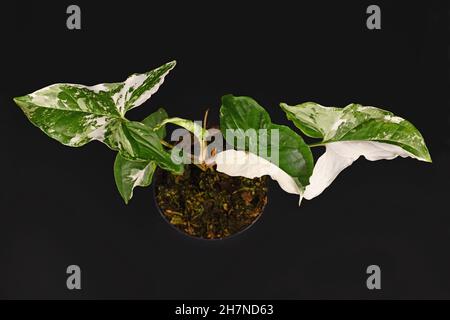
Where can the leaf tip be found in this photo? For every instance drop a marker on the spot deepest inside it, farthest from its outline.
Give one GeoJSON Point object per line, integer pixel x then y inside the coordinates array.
{"type": "Point", "coordinates": [163, 112]}
{"type": "Point", "coordinates": [172, 63]}
{"type": "Point", "coordinates": [227, 97]}
{"type": "Point", "coordinates": [18, 100]}
{"type": "Point", "coordinates": [284, 106]}
{"type": "Point", "coordinates": [21, 102]}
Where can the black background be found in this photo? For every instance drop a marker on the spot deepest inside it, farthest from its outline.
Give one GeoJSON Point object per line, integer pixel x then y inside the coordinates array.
{"type": "Point", "coordinates": [59, 206]}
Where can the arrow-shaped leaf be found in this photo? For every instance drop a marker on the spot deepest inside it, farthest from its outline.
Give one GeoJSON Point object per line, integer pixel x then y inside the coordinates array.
{"type": "Point", "coordinates": [357, 123]}
{"type": "Point", "coordinates": [75, 114]}
{"type": "Point", "coordinates": [243, 113]}
{"type": "Point", "coordinates": [351, 132]}
{"type": "Point", "coordinates": [130, 174]}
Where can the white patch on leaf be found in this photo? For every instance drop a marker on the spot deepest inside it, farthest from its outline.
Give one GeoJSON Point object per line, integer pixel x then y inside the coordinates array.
{"type": "Point", "coordinates": [245, 164]}
{"type": "Point", "coordinates": [82, 104]}
{"type": "Point", "coordinates": [337, 124]}
{"type": "Point", "coordinates": [46, 96]}
{"type": "Point", "coordinates": [340, 155]}
{"type": "Point", "coordinates": [99, 87]}
{"type": "Point", "coordinates": [138, 176]}
{"type": "Point", "coordinates": [131, 84]}
{"type": "Point", "coordinates": [98, 133]}
{"type": "Point", "coordinates": [100, 121]}
{"type": "Point", "coordinates": [393, 119]}
{"type": "Point", "coordinates": [120, 98]}
{"type": "Point", "coordinates": [76, 139]}
{"type": "Point", "coordinates": [146, 95]}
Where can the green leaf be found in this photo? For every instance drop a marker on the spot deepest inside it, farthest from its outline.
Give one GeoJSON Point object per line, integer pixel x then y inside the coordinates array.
{"type": "Point", "coordinates": [243, 113]}
{"type": "Point", "coordinates": [357, 123]}
{"type": "Point", "coordinates": [130, 174]}
{"type": "Point", "coordinates": [75, 114]}
{"type": "Point", "coordinates": [136, 141]}
{"type": "Point", "coordinates": [154, 120]}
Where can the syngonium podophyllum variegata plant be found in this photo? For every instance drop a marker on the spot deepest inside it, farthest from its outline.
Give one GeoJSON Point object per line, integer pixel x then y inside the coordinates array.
{"type": "Point", "coordinates": [75, 114]}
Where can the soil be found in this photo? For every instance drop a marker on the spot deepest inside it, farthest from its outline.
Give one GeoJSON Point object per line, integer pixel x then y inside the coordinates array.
{"type": "Point", "coordinates": [209, 204]}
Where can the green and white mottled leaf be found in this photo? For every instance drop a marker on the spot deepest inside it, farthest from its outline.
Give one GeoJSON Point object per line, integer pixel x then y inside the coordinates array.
{"type": "Point", "coordinates": [351, 132]}
{"type": "Point", "coordinates": [71, 114]}
{"type": "Point", "coordinates": [131, 174]}
{"type": "Point", "coordinates": [76, 114]}
{"type": "Point", "coordinates": [136, 141]}
{"type": "Point", "coordinates": [243, 113]}
{"type": "Point", "coordinates": [138, 88]}
{"type": "Point", "coordinates": [357, 123]}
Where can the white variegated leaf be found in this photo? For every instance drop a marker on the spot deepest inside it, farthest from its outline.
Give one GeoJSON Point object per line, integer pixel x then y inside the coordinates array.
{"type": "Point", "coordinates": [75, 114]}
{"type": "Point", "coordinates": [340, 155]}
{"type": "Point", "coordinates": [138, 88]}
{"type": "Point", "coordinates": [351, 132]}
{"type": "Point", "coordinates": [246, 164]}
{"type": "Point", "coordinates": [242, 114]}
{"type": "Point", "coordinates": [131, 174]}
{"type": "Point", "coordinates": [357, 123]}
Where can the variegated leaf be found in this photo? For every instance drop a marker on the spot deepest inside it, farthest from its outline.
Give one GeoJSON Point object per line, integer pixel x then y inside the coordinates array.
{"type": "Point", "coordinates": [75, 114]}
{"type": "Point", "coordinates": [131, 174]}
{"type": "Point", "coordinates": [351, 132]}
{"type": "Point", "coordinates": [199, 132]}
{"type": "Point", "coordinates": [136, 141]}
{"type": "Point", "coordinates": [357, 123]}
{"type": "Point", "coordinates": [243, 113]}
{"type": "Point", "coordinates": [246, 164]}
{"type": "Point", "coordinates": [138, 88]}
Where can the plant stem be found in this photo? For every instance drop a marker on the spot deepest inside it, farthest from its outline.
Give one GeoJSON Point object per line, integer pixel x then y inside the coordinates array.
{"type": "Point", "coordinates": [205, 119]}
{"type": "Point", "coordinates": [316, 145]}
{"type": "Point", "coordinates": [203, 146]}
{"type": "Point", "coordinates": [166, 144]}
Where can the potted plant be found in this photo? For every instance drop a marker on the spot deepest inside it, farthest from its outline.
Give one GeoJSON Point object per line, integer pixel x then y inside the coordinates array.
{"type": "Point", "coordinates": [213, 183]}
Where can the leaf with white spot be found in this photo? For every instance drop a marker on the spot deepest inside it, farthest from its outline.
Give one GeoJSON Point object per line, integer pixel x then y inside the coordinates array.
{"type": "Point", "coordinates": [131, 174]}
{"type": "Point", "coordinates": [239, 115]}
{"type": "Point", "coordinates": [357, 123]}
{"type": "Point", "coordinates": [136, 141]}
{"type": "Point", "coordinates": [351, 132]}
{"type": "Point", "coordinates": [76, 114]}
{"type": "Point", "coordinates": [138, 88]}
